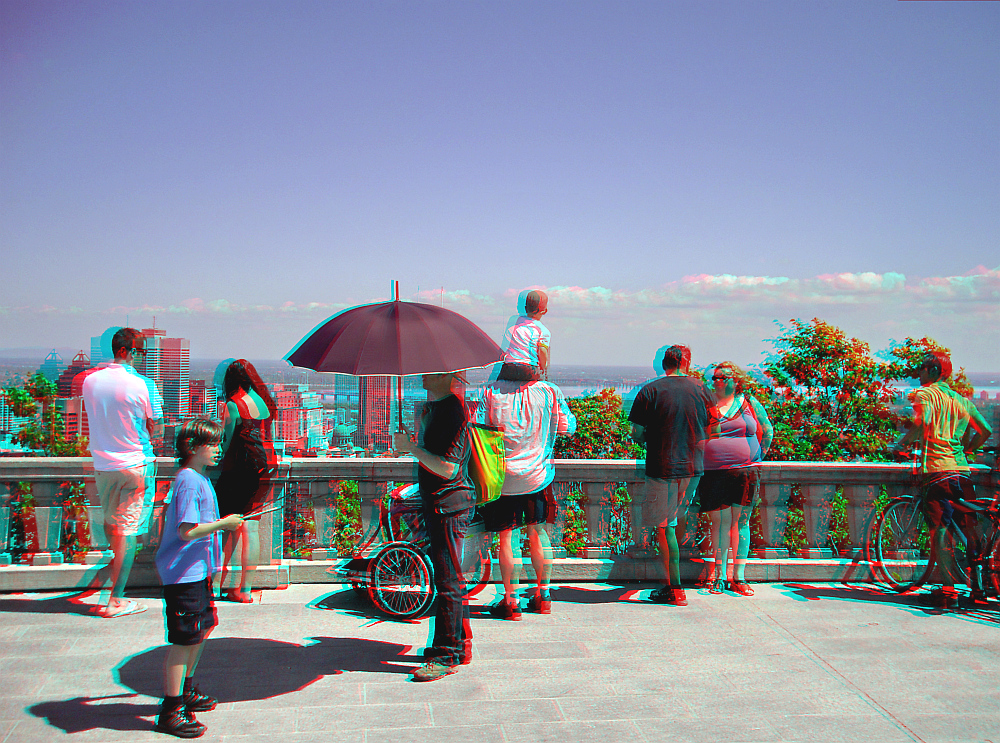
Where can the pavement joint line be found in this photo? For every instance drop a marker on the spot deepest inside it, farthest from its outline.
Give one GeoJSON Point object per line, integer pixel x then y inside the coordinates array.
{"type": "Point", "coordinates": [830, 670]}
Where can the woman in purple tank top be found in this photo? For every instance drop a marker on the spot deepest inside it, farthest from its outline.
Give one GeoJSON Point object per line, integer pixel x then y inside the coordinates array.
{"type": "Point", "coordinates": [728, 490]}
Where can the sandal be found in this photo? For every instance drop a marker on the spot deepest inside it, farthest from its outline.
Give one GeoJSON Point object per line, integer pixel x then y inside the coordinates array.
{"type": "Point", "coordinates": [239, 598]}
{"type": "Point", "coordinates": [742, 588]}
{"type": "Point", "coordinates": [122, 610]}
{"type": "Point", "coordinates": [715, 586]}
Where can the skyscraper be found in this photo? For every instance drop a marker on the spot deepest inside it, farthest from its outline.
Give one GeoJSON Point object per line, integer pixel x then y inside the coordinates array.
{"type": "Point", "coordinates": [377, 408]}
{"type": "Point", "coordinates": [168, 363]}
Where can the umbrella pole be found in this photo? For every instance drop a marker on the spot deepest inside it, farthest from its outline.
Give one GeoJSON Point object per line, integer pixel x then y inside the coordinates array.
{"type": "Point", "coordinates": [399, 403]}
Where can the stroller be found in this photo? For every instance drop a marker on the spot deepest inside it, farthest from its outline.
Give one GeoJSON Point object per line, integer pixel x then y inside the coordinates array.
{"type": "Point", "coordinates": [391, 565]}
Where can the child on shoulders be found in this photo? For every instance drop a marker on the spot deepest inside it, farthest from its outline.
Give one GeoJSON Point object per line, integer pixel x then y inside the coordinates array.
{"type": "Point", "coordinates": [526, 340]}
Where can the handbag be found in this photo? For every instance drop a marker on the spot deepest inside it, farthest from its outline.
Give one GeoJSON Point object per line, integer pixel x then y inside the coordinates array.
{"type": "Point", "coordinates": [488, 461]}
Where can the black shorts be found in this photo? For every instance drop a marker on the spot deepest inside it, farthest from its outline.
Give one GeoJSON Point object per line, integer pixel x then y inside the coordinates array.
{"type": "Point", "coordinates": [946, 493]}
{"type": "Point", "coordinates": [724, 488]}
{"type": "Point", "coordinates": [513, 511]}
{"type": "Point", "coordinates": [190, 611]}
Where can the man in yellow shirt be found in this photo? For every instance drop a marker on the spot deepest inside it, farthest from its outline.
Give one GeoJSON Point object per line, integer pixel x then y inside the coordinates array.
{"type": "Point", "coordinates": [949, 429]}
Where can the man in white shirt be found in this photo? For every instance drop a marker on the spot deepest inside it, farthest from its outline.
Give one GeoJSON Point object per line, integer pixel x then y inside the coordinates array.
{"type": "Point", "coordinates": [531, 415]}
{"type": "Point", "coordinates": [123, 413]}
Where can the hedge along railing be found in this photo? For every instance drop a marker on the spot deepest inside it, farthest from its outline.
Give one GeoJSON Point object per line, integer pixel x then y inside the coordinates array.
{"type": "Point", "coordinates": [311, 490]}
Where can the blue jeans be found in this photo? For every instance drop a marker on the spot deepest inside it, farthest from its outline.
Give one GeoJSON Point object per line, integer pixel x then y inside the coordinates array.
{"type": "Point", "coordinates": [451, 625]}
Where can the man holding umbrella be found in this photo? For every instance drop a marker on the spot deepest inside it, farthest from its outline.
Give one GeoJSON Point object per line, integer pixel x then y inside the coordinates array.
{"type": "Point", "coordinates": [448, 496]}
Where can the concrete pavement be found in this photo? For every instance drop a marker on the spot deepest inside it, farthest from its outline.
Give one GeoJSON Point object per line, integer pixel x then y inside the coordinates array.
{"type": "Point", "coordinates": [797, 662]}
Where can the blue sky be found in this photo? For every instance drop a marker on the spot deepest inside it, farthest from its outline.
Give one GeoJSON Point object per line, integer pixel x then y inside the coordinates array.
{"type": "Point", "coordinates": [667, 171]}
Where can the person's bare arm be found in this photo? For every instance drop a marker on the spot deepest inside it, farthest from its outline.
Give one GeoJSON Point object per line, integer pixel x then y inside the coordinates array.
{"type": "Point", "coordinates": [767, 430]}
{"type": "Point", "coordinates": [154, 428]}
{"type": "Point", "coordinates": [187, 532]}
{"type": "Point", "coordinates": [981, 428]}
{"type": "Point", "coordinates": [638, 434]}
{"type": "Point", "coordinates": [403, 441]}
{"type": "Point", "coordinates": [543, 358]}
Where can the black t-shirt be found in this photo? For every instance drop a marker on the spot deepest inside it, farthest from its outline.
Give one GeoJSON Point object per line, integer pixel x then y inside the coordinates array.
{"type": "Point", "coordinates": [674, 411]}
{"type": "Point", "coordinates": [443, 431]}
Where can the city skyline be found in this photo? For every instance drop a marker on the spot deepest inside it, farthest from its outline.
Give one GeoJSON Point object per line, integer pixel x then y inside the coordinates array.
{"type": "Point", "coordinates": [667, 172]}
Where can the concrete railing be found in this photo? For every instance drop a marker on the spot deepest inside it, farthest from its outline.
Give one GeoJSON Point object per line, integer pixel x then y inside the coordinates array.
{"type": "Point", "coordinates": [315, 483]}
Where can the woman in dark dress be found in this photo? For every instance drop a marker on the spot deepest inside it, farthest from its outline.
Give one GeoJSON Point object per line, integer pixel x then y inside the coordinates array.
{"type": "Point", "coordinates": [248, 464]}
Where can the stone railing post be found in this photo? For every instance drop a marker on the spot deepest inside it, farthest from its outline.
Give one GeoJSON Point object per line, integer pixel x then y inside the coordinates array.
{"type": "Point", "coordinates": [596, 504]}
{"type": "Point", "coordinates": [323, 495]}
{"type": "Point", "coordinates": [557, 528]}
{"type": "Point", "coordinates": [371, 492]}
{"type": "Point", "coordinates": [48, 524]}
{"type": "Point", "coordinates": [100, 550]}
{"type": "Point", "coordinates": [774, 519]}
{"type": "Point", "coordinates": [640, 534]}
{"type": "Point", "coordinates": [272, 525]}
{"type": "Point", "coordinates": [860, 514]}
{"type": "Point", "coordinates": [5, 497]}
{"type": "Point", "coordinates": [817, 503]}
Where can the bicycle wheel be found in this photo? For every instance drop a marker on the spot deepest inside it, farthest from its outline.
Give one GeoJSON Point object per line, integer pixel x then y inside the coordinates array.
{"type": "Point", "coordinates": [956, 558]}
{"type": "Point", "coordinates": [903, 546]}
{"type": "Point", "coordinates": [400, 581]}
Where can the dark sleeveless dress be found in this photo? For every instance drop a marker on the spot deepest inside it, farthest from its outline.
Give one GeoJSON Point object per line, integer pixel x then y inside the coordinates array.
{"type": "Point", "coordinates": [247, 469]}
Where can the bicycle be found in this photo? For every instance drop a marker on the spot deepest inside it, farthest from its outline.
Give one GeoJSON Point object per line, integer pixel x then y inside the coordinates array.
{"type": "Point", "coordinates": [905, 555]}
{"type": "Point", "coordinates": [390, 566]}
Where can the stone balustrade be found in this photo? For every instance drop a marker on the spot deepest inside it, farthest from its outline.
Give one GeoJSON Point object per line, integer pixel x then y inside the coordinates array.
{"type": "Point", "coordinates": [314, 482]}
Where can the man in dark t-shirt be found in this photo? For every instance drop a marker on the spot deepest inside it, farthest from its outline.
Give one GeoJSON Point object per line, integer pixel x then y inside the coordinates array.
{"type": "Point", "coordinates": [670, 416]}
{"type": "Point", "coordinates": [447, 493]}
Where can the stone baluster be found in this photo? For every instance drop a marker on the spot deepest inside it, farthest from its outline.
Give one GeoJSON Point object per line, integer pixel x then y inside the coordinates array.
{"type": "Point", "coordinates": [371, 493]}
{"type": "Point", "coordinates": [817, 503]}
{"type": "Point", "coordinates": [596, 503]}
{"type": "Point", "coordinates": [774, 519]}
{"type": "Point", "coordinates": [272, 525]}
{"type": "Point", "coordinates": [860, 521]}
{"type": "Point", "coordinates": [640, 534]}
{"type": "Point", "coordinates": [5, 510]}
{"type": "Point", "coordinates": [48, 524]}
{"type": "Point", "coordinates": [557, 528]}
{"type": "Point", "coordinates": [324, 497]}
{"type": "Point", "coordinates": [100, 550]}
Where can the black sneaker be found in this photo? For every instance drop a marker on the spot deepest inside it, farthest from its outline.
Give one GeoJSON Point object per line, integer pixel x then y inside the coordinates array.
{"type": "Point", "coordinates": [669, 595]}
{"type": "Point", "coordinates": [505, 609]}
{"type": "Point", "coordinates": [179, 723]}
{"type": "Point", "coordinates": [540, 604]}
{"type": "Point", "coordinates": [195, 701]}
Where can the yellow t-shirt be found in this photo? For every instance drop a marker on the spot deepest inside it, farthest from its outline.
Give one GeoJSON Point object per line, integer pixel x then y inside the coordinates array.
{"type": "Point", "coordinates": [945, 416]}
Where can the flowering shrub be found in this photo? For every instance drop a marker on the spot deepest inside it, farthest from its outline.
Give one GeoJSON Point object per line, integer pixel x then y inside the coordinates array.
{"type": "Point", "coordinates": [575, 531]}
{"type": "Point", "coordinates": [347, 532]}
{"type": "Point", "coordinates": [602, 429]}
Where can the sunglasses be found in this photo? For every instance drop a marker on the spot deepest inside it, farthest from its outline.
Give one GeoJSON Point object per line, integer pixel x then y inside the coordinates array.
{"type": "Point", "coordinates": [139, 350]}
{"type": "Point", "coordinates": [716, 378]}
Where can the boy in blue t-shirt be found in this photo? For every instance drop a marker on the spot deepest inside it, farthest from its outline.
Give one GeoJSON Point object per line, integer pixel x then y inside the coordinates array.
{"type": "Point", "coordinates": [188, 557]}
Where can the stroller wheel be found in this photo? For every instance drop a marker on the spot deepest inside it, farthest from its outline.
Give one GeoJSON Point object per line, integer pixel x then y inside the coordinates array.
{"type": "Point", "coordinates": [400, 581]}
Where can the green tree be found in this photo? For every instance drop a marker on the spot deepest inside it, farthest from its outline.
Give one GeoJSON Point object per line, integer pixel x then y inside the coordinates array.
{"type": "Point", "coordinates": [904, 357]}
{"type": "Point", "coordinates": [831, 401]}
{"type": "Point", "coordinates": [47, 432]}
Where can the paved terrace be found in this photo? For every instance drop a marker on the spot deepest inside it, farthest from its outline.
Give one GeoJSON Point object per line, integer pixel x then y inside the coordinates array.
{"type": "Point", "coordinates": [798, 662]}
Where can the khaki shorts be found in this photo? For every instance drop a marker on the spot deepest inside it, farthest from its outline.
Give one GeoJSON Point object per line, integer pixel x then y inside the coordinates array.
{"type": "Point", "coordinates": [127, 498]}
{"type": "Point", "coordinates": [667, 500]}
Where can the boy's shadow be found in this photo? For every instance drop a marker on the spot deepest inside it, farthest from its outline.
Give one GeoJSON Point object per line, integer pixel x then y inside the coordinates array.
{"type": "Point", "coordinates": [232, 669]}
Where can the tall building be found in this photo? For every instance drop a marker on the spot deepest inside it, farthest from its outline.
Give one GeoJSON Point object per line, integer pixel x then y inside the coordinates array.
{"type": "Point", "coordinates": [204, 400]}
{"type": "Point", "coordinates": [299, 421]}
{"type": "Point", "coordinates": [168, 363]}
{"type": "Point", "coordinates": [52, 367]}
{"type": "Point", "coordinates": [377, 406]}
{"type": "Point", "coordinates": [80, 362]}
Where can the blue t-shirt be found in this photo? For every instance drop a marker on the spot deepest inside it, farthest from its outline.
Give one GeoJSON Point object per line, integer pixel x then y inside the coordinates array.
{"type": "Point", "coordinates": [193, 502]}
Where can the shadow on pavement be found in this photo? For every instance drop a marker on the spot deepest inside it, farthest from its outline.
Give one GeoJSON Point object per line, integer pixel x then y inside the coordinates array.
{"type": "Point", "coordinates": [80, 714]}
{"type": "Point", "coordinates": [577, 595]}
{"type": "Point", "coordinates": [232, 669]}
{"type": "Point", "coordinates": [917, 602]}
